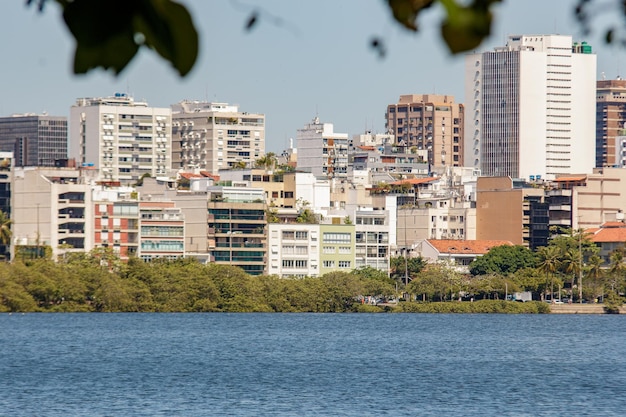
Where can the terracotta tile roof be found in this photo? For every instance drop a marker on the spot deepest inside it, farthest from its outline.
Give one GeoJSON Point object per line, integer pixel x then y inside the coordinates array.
{"type": "Point", "coordinates": [190, 175]}
{"type": "Point", "coordinates": [609, 232]}
{"type": "Point", "coordinates": [415, 181]}
{"type": "Point", "coordinates": [571, 178]}
{"type": "Point", "coordinates": [209, 175]}
{"type": "Point", "coordinates": [366, 148]}
{"type": "Point", "coordinates": [477, 247]}
{"type": "Point", "coordinates": [613, 224]}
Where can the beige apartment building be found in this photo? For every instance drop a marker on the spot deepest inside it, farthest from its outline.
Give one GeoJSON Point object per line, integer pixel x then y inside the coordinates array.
{"type": "Point", "coordinates": [121, 137]}
{"type": "Point", "coordinates": [213, 136]}
{"type": "Point", "coordinates": [429, 122]}
{"type": "Point", "coordinates": [601, 199]}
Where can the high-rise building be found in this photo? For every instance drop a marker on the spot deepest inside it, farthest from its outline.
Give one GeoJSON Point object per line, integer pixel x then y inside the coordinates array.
{"type": "Point", "coordinates": [530, 108]}
{"type": "Point", "coordinates": [214, 136]}
{"type": "Point", "coordinates": [35, 140]}
{"type": "Point", "coordinates": [125, 139]}
{"type": "Point", "coordinates": [322, 151]}
{"type": "Point", "coordinates": [610, 121]}
{"type": "Point", "coordinates": [429, 122]}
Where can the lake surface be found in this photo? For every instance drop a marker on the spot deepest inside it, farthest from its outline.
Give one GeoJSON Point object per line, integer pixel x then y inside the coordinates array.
{"type": "Point", "coordinates": [312, 365]}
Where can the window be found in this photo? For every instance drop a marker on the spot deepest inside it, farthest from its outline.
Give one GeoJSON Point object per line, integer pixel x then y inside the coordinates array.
{"type": "Point", "coordinates": [329, 264]}
{"type": "Point", "coordinates": [302, 250]}
{"type": "Point", "coordinates": [301, 263]}
{"type": "Point", "coordinates": [288, 234]}
{"type": "Point", "coordinates": [288, 263]}
{"type": "Point", "coordinates": [302, 235]}
{"type": "Point", "coordinates": [331, 237]}
{"type": "Point", "coordinates": [328, 249]}
{"type": "Point", "coordinates": [344, 264]}
{"type": "Point", "coordinates": [345, 250]}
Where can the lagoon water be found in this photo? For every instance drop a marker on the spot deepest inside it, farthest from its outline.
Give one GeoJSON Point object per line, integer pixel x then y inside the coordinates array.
{"type": "Point", "coordinates": [312, 365]}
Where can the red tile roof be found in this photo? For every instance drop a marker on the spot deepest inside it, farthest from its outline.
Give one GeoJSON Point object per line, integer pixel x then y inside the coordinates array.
{"type": "Point", "coordinates": [478, 247]}
{"type": "Point", "coordinates": [414, 181]}
{"type": "Point", "coordinates": [190, 175]}
{"type": "Point", "coordinates": [366, 148]}
{"type": "Point", "coordinates": [609, 232]}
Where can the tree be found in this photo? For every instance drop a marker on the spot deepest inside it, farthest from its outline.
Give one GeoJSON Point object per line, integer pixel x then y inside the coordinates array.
{"type": "Point", "coordinates": [403, 268]}
{"type": "Point", "coordinates": [167, 28]}
{"type": "Point", "coordinates": [5, 229]}
{"type": "Point", "coordinates": [268, 161]}
{"type": "Point", "coordinates": [505, 259]}
{"type": "Point", "coordinates": [548, 263]}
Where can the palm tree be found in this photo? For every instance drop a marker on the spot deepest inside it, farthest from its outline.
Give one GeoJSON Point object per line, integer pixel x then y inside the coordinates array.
{"type": "Point", "coordinates": [571, 264]}
{"type": "Point", "coordinates": [239, 165]}
{"type": "Point", "coordinates": [5, 229]}
{"type": "Point", "coordinates": [549, 263]}
{"type": "Point", "coordinates": [616, 268]}
{"type": "Point", "coordinates": [594, 273]}
{"type": "Point", "coordinates": [268, 161]}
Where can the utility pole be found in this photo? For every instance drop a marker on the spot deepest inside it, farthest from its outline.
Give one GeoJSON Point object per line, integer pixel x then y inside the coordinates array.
{"type": "Point", "coordinates": [580, 265]}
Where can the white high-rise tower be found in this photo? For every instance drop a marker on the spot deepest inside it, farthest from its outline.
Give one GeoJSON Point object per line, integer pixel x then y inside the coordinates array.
{"type": "Point", "coordinates": [530, 108]}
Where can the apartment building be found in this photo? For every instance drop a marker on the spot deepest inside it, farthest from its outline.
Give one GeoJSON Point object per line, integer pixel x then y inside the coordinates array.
{"type": "Point", "coordinates": [123, 138]}
{"type": "Point", "coordinates": [512, 212]}
{"type": "Point", "coordinates": [337, 243]}
{"type": "Point", "coordinates": [213, 136]}
{"type": "Point", "coordinates": [531, 108]}
{"type": "Point", "coordinates": [322, 151]}
{"type": "Point", "coordinates": [610, 122]}
{"type": "Point", "coordinates": [293, 250]}
{"type": "Point", "coordinates": [162, 230]}
{"type": "Point", "coordinates": [51, 207]}
{"type": "Point", "coordinates": [35, 140]}
{"type": "Point", "coordinates": [116, 219]}
{"type": "Point", "coordinates": [237, 228]}
{"type": "Point", "coordinates": [430, 123]}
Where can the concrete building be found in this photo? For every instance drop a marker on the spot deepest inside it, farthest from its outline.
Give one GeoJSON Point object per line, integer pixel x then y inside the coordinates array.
{"type": "Point", "coordinates": [601, 199]}
{"type": "Point", "coordinates": [214, 136]}
{"type": "Point", "coordinates": [337, 248]}
{"type": "Point", "coordinates": [236, 228]}
{"type": "Point", "coordinates": [6, 179]}
{"type": "Point", "coordinates": [433, 123]}
{"type": "Point", "coordinates": [610, 121]}
{"type": "Point", "coordinates": [123, 138]}
{"type": "Point", "coordinates": [116, 219]}
{"type": "Point", "coordinates": [373, 239]}
{"type": "Point", "coordinates": [52, 207]}
{"type": "Point", "coordinates": [294, 250]}
{"type": "Point", "coordinates": [530, 108]}
{"type": "Point", "coordinates": [162, 230]}
{"type": "Point", "coordinates": [515, 214]}
{"type": "Point", "coordinates": [35, 140]}
{"type": "Point", "coordinates": [322, 151]}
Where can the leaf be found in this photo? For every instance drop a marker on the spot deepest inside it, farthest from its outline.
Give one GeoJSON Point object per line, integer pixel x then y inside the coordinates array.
{"type": "Point", "coordinates": [169, 30]}
{"type": "Point", "coordinates": [465, 27]}
{"type": "Point", "coordinates": [407, 11]}
{"type": "Point", "coordinates": [107, 32]}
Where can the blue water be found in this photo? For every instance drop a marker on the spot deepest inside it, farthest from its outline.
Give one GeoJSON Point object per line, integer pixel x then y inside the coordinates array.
{"type": "Point", "coordinates": [312, 365]}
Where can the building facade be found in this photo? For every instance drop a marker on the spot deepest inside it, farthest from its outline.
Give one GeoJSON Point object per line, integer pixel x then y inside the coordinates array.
{"type": "Point", "coordinates": [431, 123]}
{"type": "Point", "coordinates": [125, 139]}
{"type": "Point", "coordinates": [236, 228]}
{"type": "Point", "coordinates": [35, 140]}
{"type": "Point", "coordinates": [610, 122]}
{"type": "Point", "coordinates": [531, 108]}
{"type": "Point", "coordinates": [214, 136]}
{"type": "Point", "coordinates": [322, 151]}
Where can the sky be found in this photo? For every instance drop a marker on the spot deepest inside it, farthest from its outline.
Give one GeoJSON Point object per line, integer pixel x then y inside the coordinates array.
{"type": "Point", "coordinates": [302, 59]}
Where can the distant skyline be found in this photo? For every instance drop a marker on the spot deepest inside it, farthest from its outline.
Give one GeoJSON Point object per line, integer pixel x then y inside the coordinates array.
{"type": "Point", "coordinates": [317, 61]}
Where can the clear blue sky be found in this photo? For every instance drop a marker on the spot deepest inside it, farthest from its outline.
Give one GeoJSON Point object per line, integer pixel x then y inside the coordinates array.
{"type": "Point", "coordinates": [317, 62]}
